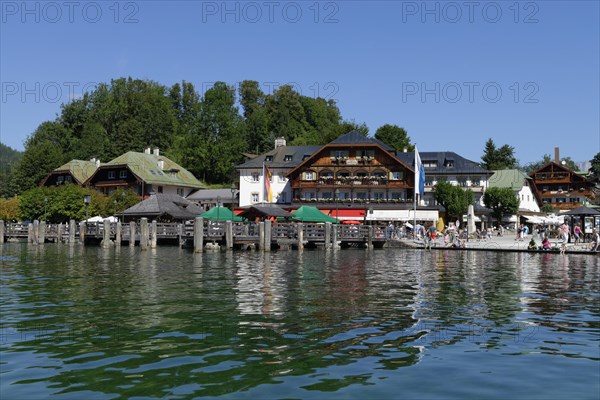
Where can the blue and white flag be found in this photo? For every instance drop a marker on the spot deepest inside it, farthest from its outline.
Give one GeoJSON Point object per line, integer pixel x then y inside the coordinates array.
{"type": "Point", "coordinates": [419, 174]}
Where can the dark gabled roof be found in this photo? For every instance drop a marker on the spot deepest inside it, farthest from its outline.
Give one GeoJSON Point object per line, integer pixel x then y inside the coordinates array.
{"type": "Point", "coordinates": [264, 211]}
{"type": "Point", "coordinates": [278, 155]}
{"type": "Point", "coordinates": [213, 194]}
{"type": "Point", "coordinates": [161, 203]}
{"type": "Point", "coordinates": [355, 137]}
{"type": "Point", "coordinates": [461, 164]}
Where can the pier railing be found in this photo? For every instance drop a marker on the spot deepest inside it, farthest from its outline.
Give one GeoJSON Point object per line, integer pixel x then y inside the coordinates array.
{"type": "Point", "coordinates": [226, 233]}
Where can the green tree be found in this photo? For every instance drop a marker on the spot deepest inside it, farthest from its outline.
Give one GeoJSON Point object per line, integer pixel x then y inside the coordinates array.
{"type": "Point", "coordinates": [502, 201]}
{"type": "Point", "coordinates": [498, 158]}
{"type": "Point", "coordinates": [44, 151]}
{"type": "Point", "coordinates": [212, 150]}
{"type": "Point", "coordinates": [395, 137]}
{"type": "Point", "coordinates": [454, 199]}
{"type": "Point", "coordinates": [256, 120]}
{"type": "Point", "coordinates": [595, 169]}
{"type": "Point", "coordinates": [60, 203]}
{"type": "Point", "coordinates": [286, 113]}
{"type": "Point", "coordinates": [9, 209]}
{"type": "Point", "coordinates": [9, 158]}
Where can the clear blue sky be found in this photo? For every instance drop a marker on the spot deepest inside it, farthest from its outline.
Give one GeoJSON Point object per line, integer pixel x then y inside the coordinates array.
{"type": "Point", "coordinates": [453, 74]}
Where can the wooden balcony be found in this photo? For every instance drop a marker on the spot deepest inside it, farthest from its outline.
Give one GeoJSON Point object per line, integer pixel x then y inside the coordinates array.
{"type": "Point", "coordinates": [348, 182]}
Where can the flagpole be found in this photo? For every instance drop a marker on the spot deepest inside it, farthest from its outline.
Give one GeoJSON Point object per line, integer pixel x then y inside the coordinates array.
{"type": "Point", "coordinates": [415, 198]}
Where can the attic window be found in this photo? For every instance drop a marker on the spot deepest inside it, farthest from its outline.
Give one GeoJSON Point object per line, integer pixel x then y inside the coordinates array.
{"type": "Point", "coordinates": [305, 157]}
{"type": "Point", "coordinates": [269, 158]}
{"type": "Point", "coordinates": [449, 163]}
{"type": "Point", "coordinates": [287, 157]}
{"type": "Point", "coordinates": [429, 164]}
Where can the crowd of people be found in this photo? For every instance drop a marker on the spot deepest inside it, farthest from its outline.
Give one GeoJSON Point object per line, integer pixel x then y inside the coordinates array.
{"type": "Point", "coordinates": [453, 236]}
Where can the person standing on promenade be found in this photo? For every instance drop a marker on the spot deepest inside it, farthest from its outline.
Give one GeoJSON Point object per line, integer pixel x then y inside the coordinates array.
{"type": "Point", "coordinates": [564, 232]}
{"type": "Point", "coordinates": [595, 245]}
{"type": "Point", "coordinates": [577, 233]}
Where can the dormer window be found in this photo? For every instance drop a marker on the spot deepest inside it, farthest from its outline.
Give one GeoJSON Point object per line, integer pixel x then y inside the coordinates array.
{"type": "Point", "coordinates": [305, 157]}
{"type": "Point", "coordinates": [268, 158]}
{"type": "Point", "coordinates": [449, 163]}
{"type": "Point", "coordinates": [429, 164]}
{"type": "Point", "coordinates": [287, 157]}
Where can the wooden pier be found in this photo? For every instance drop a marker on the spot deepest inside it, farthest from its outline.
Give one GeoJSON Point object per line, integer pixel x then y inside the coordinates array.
{"type": "Point", "coordinates": [198, 234]}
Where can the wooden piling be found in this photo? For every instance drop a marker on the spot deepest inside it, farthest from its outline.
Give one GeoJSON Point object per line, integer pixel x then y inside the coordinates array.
{"type": "Point", "coordinates": [42, 232]}
{"type": "Point", "coordinates": [153, 234]}
{"type": "Point", "coordinates": [261, 235]}
{"type": "Point", "coordinates": [370, 238]}
{"type": "Point", "coordinates": [35, 232]}
{"type": "Point", "coordinates": [1, 231]}
{"type": "Point", "coordinates": [300, 228]}
{"type": "Point", "coordinates": [118, 234]}
{"type": "Point", "coordinates": [229, 234]}
{"type": "Point", "coordinates": [132, 234]}
{"type": "Point", "coordinates": [268, 230]}
{"type": "Point", "coordinates": [198, 234]}
{"type": "Point", "coordinates": [59, 233]}
{"type": "Point", "coordinates": [106, 234]}
{"type": "Point", "coordinates": [144, 234]}
{"type": "Point", "coordinates": [327, 235]}
{"type": "Point", "coordinates": [72, 231]}
{"type": "Point", "coordinates": [334, 238]}
{"type": "Point", "coordinates": [82, 226]}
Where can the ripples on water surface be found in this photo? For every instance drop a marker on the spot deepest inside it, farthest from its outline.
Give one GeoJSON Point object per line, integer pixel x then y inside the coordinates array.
{"type": "Point", "coordinates": [120, 323]}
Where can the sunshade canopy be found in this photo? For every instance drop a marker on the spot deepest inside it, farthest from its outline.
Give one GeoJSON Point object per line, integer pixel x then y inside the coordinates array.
{"type": "Point", "coordinates": [253, 212]}
{"type": "Point", "coordinates": [220, 214]}
{"type": "Point", "coordinates": [312, 214]}
{"type": "Point", "coordinates": [582, 211]}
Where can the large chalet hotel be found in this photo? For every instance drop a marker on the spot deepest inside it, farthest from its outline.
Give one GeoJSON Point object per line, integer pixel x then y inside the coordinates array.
{"type": "Point", "coordinates": [356, 177]}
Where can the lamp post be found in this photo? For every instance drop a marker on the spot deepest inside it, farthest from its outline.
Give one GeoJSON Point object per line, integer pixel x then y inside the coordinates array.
{"type": "Point", "coordinates": [123, 195]}
{"type": "Point", "coordinates": [218, 207]}
{"type": "Point", "coordinates": [86, 200]}
{"type": "Point", "coordinates": [337, 196]}
{"type": "Point", "coordinates": [45, 209]}
{"type": "Point", "coordinates": [232, 200]}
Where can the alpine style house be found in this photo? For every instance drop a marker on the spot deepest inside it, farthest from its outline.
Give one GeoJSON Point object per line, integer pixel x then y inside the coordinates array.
{"type": "Point", "coordinates": [355, 177]}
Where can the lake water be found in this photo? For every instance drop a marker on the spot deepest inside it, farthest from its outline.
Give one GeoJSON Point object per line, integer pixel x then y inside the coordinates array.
{"type": "Point", "coordinates": [86, 323]}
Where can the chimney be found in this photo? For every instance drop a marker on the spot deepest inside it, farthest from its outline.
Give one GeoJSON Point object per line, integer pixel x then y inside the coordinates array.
{"type": "Point", "coordinates": [161, 164]}
{"type": "Point", "coordinates": [97, 163]}
{"type": "Point", "coordinates": [147, 150]}
{"type": "Point", "coordinates": [156, 152]}
{"type": "Point", "coordinates": [405, 150]}
{"type": "Point", "coordinates": [93, 159]}
{"type": "Point", "coordinates": [280, 142]}
{"type": "Point", "coordinates": [557, 155]}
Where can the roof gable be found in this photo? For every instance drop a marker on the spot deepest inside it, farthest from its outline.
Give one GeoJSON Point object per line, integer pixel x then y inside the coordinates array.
{"type": "Point", "coordinates": [356, 138]}
{"type": "Point", "coordinates": [81, 170]}
{"type": "Point", "coordinates": [146, 167]}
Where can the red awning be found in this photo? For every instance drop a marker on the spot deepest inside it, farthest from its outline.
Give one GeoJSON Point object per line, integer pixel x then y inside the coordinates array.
{"type": "Point", "coordinates": [345, 214]}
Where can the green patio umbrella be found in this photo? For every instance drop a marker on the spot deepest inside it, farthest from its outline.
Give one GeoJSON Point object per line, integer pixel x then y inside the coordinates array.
{"type": "Point", "coordinates": [220, 214]}
{"type": "Point", "coordinates": [312, 214]}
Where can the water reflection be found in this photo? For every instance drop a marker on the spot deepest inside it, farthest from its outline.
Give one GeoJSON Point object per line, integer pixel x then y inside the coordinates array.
{"type": "Point", "coordinates": [167, 322]}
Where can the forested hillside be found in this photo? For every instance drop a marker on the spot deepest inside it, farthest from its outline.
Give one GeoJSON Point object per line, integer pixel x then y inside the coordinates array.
{"type": "Point", "coordinates": [206, 134]}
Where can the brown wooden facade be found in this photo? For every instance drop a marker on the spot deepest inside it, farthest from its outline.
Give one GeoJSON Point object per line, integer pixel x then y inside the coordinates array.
{"type": "Point", "coordinates": [562, 188]}
{"type": "Point", "coordinates": [359, 172]}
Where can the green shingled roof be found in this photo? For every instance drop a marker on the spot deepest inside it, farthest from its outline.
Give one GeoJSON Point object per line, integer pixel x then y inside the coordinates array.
{"type": "Point", "coordinates": [508, 178]}
{"type": "Point", "coordinates": [146, 167]}
{"type": "Point", "coordinates": [80, 170]}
